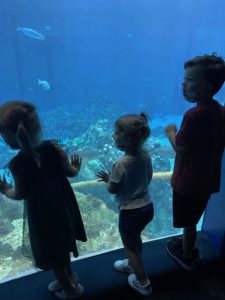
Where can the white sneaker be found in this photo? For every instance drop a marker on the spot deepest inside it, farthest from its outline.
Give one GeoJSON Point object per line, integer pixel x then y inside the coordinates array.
{"type": "Point", "coordinates": [55, 285]}
{"type": "Point", "coordinates": [123, 266]}
{"type": "Point", "coordinates": [76, 293]}
{"type": "Point", "coordinates": [142, 289]}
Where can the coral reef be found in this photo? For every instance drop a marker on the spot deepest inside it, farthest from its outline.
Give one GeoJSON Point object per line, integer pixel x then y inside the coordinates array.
{"type": "Point", "coordinates": [92, 140]}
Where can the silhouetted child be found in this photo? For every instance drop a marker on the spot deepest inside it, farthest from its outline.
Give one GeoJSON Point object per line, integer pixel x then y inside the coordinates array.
{"type": "Point", "coordinates": [199, 146]}
{"type": "Point", "coordinates": [40, 171]}
{"type": "Point", "coordinates": [129, 180]}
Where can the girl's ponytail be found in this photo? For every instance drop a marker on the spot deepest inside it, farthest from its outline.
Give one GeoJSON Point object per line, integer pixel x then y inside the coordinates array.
{"type": "Point", "coordinates": [145, 116]}
{"type": "Point", "coordinates": [145, 128]}
{"type": "Point", "coordinates": [25, 144]}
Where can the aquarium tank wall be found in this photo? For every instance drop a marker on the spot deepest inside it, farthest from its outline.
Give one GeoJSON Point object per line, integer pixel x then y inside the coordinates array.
{"type": "Point", "coordinates": [83, 63]}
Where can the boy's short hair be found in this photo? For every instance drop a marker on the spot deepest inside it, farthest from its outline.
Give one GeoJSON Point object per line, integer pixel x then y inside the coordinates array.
{"type": "Point", "coordinates": [213, 69]}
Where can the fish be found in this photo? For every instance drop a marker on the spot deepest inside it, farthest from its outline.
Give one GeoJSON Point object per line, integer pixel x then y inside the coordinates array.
{"type": "Point", "coordinates": [44, 84]}
{"type": "Point", "coordinates": [129, 35]}
{"type": "Point", "coordinates": [31, 33]}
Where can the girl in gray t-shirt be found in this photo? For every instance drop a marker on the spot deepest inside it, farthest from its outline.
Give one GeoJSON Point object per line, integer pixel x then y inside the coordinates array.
{"type": "Point", "coordinates": [129, 181]}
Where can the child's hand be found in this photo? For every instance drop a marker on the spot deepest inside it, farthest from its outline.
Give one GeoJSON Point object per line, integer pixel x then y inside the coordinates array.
{"type": "Point", "coordinates": [76, 162]}
{"type": "Point", "coordinates": [171, 129]}
{"type": "Point", "coordinates": [4, 185]}
{"type": "Point", "coordinates": [104, 176]}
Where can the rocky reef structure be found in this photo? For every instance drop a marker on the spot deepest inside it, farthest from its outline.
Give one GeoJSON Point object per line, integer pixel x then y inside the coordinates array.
{"type": "Point", "coordinates": [98, 208]}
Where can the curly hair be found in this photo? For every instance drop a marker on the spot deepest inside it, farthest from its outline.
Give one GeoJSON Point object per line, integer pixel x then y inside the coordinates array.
{"type": "Point", "coordinates": [18, 114]}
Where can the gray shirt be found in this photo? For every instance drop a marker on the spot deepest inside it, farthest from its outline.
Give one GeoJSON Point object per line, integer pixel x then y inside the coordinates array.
{"type": "Point", "coordinates": [134, 174]}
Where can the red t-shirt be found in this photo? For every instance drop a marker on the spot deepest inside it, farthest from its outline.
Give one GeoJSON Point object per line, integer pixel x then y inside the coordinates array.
{"type": "Point", "coordinates": [202, 133]}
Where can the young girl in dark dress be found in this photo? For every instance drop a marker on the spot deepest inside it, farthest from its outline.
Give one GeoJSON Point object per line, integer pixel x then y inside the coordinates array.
{"type": "Point", "coordinates": [40, 171]}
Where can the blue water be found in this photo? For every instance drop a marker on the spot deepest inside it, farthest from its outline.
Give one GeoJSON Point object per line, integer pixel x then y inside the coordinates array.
{"type": "Point", "coordinates": [98, 59]}
{"type": "Point", "coordinates": [131, 51]}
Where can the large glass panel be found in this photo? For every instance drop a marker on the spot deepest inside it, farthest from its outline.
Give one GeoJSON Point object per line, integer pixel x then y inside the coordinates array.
{"type": "Point", "coordinates": [83, 63]}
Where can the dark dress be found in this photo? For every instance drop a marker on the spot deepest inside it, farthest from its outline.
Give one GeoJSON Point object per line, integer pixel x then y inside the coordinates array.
{"type": "Point", "coordinates": [53, 215]}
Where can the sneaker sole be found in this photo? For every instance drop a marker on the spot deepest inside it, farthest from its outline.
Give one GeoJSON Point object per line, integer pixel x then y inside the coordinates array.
{"type": "Point", "coordinates": [186, 267]}
{"type": "Point", "coordinates": [149, 293]}
{"type": "Point", "coordinates": [54, 290]}
{"type": "Point", "coordinates": [178, 241]}
{"type": "Point", "coordinates": [58, 287]}
{"type": "Point", "coordinates": [123, 271]}
{"type": "Point", "coordinates": [74, 295]}
{"type": "Point", "coordinates": [127, 269]}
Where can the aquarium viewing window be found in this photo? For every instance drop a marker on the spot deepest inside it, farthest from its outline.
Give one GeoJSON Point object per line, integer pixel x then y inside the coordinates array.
{"type": "Point", "coordinates": [85, 63]}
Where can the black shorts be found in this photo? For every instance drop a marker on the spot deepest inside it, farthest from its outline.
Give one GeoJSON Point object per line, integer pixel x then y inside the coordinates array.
{"type": "Point", "coordinates": [133, 221]}
{"type": "Point", "coordinates": [187, 210]}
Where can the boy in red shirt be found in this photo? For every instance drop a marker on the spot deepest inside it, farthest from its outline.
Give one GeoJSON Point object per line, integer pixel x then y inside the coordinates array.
{"type": "Point", "coordinates": [199, 146]}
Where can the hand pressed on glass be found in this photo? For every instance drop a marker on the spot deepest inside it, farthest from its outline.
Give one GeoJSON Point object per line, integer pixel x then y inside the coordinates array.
{"type": "Point", "coordinates": [104, 176]}
{"type": "Point", "coordinates": [4, 185]}
{"type": "Point", "coordinates": [76, 162]}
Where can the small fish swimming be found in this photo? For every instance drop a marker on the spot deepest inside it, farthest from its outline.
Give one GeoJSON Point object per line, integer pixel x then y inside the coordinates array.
{"type": "Point", "coordinates": [129, 35]}
{"type": "Point", "coordinates": [44, 84]}
{"type": "Point", "coordinates": [31, 33]}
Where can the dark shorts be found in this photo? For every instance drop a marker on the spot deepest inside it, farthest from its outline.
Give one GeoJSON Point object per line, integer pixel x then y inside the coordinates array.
{"type": "Point", "coordinates": [133, 221]}
{"type": "Point", "coordinates": [187, 210]}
